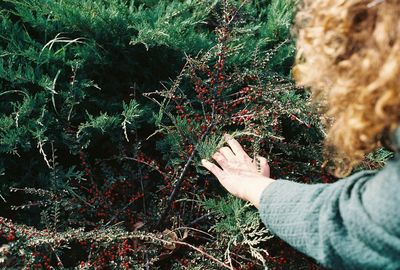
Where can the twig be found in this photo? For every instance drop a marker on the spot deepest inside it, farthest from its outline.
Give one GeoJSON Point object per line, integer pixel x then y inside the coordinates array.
{"type": "Point", "coordinates": [180, 179]}
{"type": "Point", "coordinates": [57, 257]}
{"type": "Point", "coordinates": [118, 212]}
{"type": "Point", "coordinates": [202, 252]}
{"type": "Point", "coordinates": [197, 220]}
{"type": "Point", "coordinates": [155, 168]}
{"type": "Point", "coordinates": [193, 229]}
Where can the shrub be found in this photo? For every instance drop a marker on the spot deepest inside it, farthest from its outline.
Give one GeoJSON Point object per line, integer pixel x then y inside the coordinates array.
{"type": "Point", "coordinates": [107, 107]}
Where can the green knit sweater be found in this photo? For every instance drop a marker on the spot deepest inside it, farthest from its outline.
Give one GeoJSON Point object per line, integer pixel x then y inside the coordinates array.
{"type": "Point", "coordinates": [351, 224]}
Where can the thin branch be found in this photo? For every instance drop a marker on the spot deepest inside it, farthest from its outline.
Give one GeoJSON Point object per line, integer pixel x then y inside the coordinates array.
{"type": "Point", "coordinates": [180, 179]}
{"type": "Point", "coordinates": [57, 257]}
{"type": "Point", "coordinates": [197, 220]}
{"type": "Point", "coordinates": [145, 163]}
{"type": "Point", "coordinates": [119, 212]}
{"type": "Point", "coordinates": [202, 252]}
{"type": "Point", "coordinates": [193, 229]}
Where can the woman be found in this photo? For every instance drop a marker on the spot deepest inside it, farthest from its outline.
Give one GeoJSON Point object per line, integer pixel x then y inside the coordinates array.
{"type": "Point", "coordinates": [349, 55]}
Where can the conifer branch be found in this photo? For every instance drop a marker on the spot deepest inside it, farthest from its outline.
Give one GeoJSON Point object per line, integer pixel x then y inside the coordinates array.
{"type": "Point", "coordinates": [178, 183]}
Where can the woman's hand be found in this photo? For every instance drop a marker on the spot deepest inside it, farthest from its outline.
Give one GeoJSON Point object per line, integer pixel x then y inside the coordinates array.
{"type": "Point", "coordinates": [240, 175]}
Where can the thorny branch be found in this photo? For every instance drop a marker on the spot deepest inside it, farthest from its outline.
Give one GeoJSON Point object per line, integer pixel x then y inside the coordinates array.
{"type": "Point", "coordinates": [180, 179]}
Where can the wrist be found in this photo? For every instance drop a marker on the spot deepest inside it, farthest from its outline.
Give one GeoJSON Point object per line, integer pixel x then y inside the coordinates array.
{"type": "Point", "coordinates": [257, 189]}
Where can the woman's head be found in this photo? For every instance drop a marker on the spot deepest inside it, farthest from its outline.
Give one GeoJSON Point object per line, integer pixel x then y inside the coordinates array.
{"type": "Point", "coordinates": [349, 56]}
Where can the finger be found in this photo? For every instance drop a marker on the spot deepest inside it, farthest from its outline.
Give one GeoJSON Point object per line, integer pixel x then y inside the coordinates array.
{"type": "Point", "coordinates": [217, 172]}
{"type": "Point", "coordinates": [235, 146]}
{"type": "Point", "coordinates": [221, 160]}
{"type": "Point", "coordinates": [212, 168]}
{"type": "Point", "coordinates": [263, 166]}
{"type": "Point", "coordinates": [227, 152]}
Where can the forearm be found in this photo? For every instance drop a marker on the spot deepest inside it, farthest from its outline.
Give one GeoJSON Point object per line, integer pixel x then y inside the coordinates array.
{"type": "Point", "coordinates": [294, 212]}
{"type": "Point", "coordinates": [332, 222]}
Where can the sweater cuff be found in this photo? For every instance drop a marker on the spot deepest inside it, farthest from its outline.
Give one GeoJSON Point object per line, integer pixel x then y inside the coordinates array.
{"type": "Point", "coordinates": [271, 194]}
{"type": "Point", "coordinates": [279, 202]}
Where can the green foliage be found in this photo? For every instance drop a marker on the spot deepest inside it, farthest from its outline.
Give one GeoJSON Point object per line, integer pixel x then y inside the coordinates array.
{"type": "Point", "coordinates": [162, 23]}
{"type": "Point", "coordinates": [377, 159]}
{"type": "Point", "coordinates": [238, 224]}
{"type": "Point", "coordinates": [93, 152]}
{"type": "Point", "coordinates": [130, 113]}
{"type": "Point", "coordinates": [208, 147]}
{"type": "Point", "coordinates": [279, 19]}
{"type": "Point", "coordinates": [102, 123]}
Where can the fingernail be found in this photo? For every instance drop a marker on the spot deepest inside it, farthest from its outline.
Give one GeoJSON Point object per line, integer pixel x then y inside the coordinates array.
{"type": "Point", "coordinates": [227, 136]}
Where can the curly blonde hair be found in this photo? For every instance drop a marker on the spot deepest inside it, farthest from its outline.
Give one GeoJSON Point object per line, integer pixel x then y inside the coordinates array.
{"type": "Point", "coordinates": [349, 56]}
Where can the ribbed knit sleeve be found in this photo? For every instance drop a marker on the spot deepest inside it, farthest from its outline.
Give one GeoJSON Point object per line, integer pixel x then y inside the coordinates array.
{"type": "Point", "coordinates": [351, 224]}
